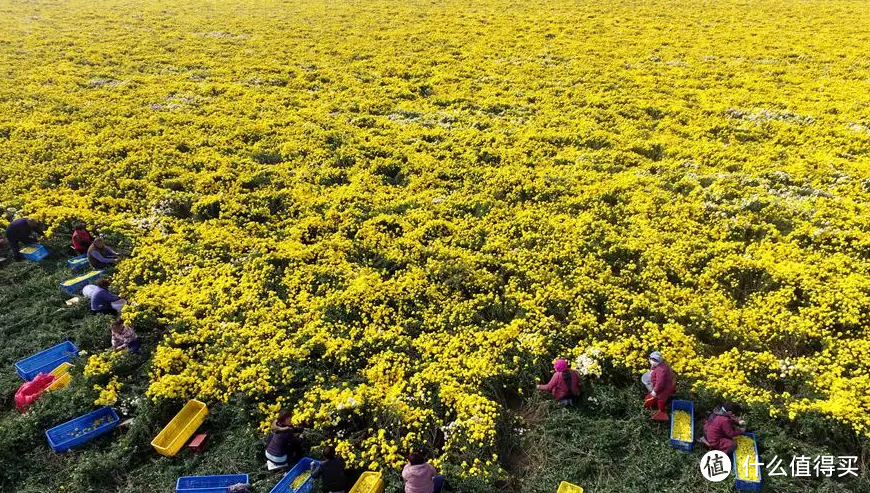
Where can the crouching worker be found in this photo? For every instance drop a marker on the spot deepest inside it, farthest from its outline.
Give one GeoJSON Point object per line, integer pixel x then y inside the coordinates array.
{"type": "Point", "coordinates": [722, 426]}
{"type": "Point", "coordinates": [564, 384]}
{"type": "Point", "coordinates": [23, 231]}
{"type": "Point", "coordinates": [663, 383]}
{"type": "Point", "coordinates": [81, 240]}
{"type": "Point", "coordinates": [100, 256]}
{"type": "Point", "coordinates": [284, 443]}
{"type": "Point", "coordinates": [124, 337]}
{"type": "Point", "coordinates": [420, 476]}
{"type": "Point", "coordinates": [331, 471]}
{"type": "Point", "coordinates": [103, 300]}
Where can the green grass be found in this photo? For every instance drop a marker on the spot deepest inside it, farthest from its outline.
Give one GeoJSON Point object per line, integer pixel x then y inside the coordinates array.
{"type": "Point", "coordinates": [34, 317]}
{"type": "Point", "coordinates": [613, 446]}
{"type": "Point", "coordinates": [608, 446]}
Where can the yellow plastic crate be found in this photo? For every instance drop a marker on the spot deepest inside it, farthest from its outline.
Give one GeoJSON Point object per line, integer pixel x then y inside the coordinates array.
{"type": "Point", "coordinates": [173, 437]}
{"type": "Point", "coordinates": [62, 377]}
{"type": "Point", "coordinates": [566, 487]}
{"type": "Point", "coordinates": [369, 482]}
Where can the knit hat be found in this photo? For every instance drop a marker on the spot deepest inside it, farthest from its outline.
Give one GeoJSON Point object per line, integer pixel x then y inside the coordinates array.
{"type": "Point", "coordinates": [657, 356]}
{"type": "Point", "coordinates": [560, 365]}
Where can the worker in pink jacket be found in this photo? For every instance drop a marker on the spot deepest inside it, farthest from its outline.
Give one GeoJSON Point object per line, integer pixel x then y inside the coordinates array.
{"type": "Point", "coordinates": [564, 384]}
{"type": "Point", "coordinates": [722, 426]}
{"type": "Point", "coordinates": [420, 476]}
{"type": "Point", "coordinates": [663, 383]}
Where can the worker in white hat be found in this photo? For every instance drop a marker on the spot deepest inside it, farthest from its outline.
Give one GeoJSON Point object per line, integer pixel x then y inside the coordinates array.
{"type": "Point", "coordinates": [662, 385]}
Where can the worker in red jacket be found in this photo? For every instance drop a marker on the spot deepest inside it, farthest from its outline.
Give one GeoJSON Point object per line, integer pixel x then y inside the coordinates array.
{"type": "Point", "coordinates": [722, 426]}
{"type": "Point", "coordinates": [81, 239]}
{"type": "Point", "coordinates": [663, 383]}
{"type": "Point", "coordinates": [564, 384]}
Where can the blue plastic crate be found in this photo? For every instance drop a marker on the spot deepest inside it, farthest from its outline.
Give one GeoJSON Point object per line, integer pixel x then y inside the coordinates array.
{"type": "Point", "coordinates": [301, 467]}
{"type": "Point", "coordinates": [34, 252]}
{"type": "Point", "coordinates": [743, 485]}
{"type": "Point", "coordinates": [687, 406]}
{"type": "Point", "coordinates": [76, 284]}
{"type": "Point", "coordinates": [82, 429]}
{"type": "Point", "coordinates": [45, 361]}
{"type": "Point", "coordinates": [78, 263]}
{"type": "Point", "coordinates": [208, 484]}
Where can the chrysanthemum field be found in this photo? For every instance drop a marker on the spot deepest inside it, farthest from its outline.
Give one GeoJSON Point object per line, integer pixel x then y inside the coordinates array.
{"type": "Point", "coordinates": [392, 215]}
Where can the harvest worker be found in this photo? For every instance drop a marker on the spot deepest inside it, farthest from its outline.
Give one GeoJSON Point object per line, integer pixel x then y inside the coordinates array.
{"type": "Point", "coordinates": [81, 239]}
{"type": "Point", "coordinates": [123, 337]}
{"type": "Point", "coordinates": [21, 231]}
{"type": "Point", "coordinates": [283, 445]}
{"type": "Point", "coordinates": [663, 383]}
{"type": "Point", "coordinates": [100, 256]}
{"type": "Point", "coordinates": [722, 426]}
{"type": "Point", "coordinates": [103, 300]}
{"type": "Point", "coordinates": [421, 476]}
{"type": "Point", "coordinates": [564, 384]}
{"type": "Point", "coordinates": [331, 470]}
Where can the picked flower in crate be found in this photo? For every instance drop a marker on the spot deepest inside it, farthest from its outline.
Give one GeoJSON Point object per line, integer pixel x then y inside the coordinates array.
{"type": "Point", "coordinates": [747, 466]}
{"type": "Point", "coordinates": [682, 425]}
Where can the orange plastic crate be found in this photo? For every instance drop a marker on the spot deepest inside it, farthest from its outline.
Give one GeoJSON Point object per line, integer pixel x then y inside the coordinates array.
{"type": "Point", "coordinates": [172, 438]}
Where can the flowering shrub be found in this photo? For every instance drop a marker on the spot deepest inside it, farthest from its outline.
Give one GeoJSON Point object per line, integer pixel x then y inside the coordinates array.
{"type": "Point", "coordinates": [384, 214]}
{"type": "Point", "coordinates": [101, 363]}
{"type": "Point", "coordinates": [587, 364]}
{"type": "Point", "coordinates": [109, 393]}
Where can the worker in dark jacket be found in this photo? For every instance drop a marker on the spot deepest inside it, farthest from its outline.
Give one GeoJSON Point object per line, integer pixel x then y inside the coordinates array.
{"type": "Point", "coordinates": [664, 384]}
{"type": "Point", "coordinates": [283, 445]}
{"type": "Point", "coordinates": [331, 470]}
{"type": "Point", "coordinates": [564, 384]}
{"type": "Point", "coordinates": [722, 426]}
{"type": "Point", "coordinates": [21, 231]}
